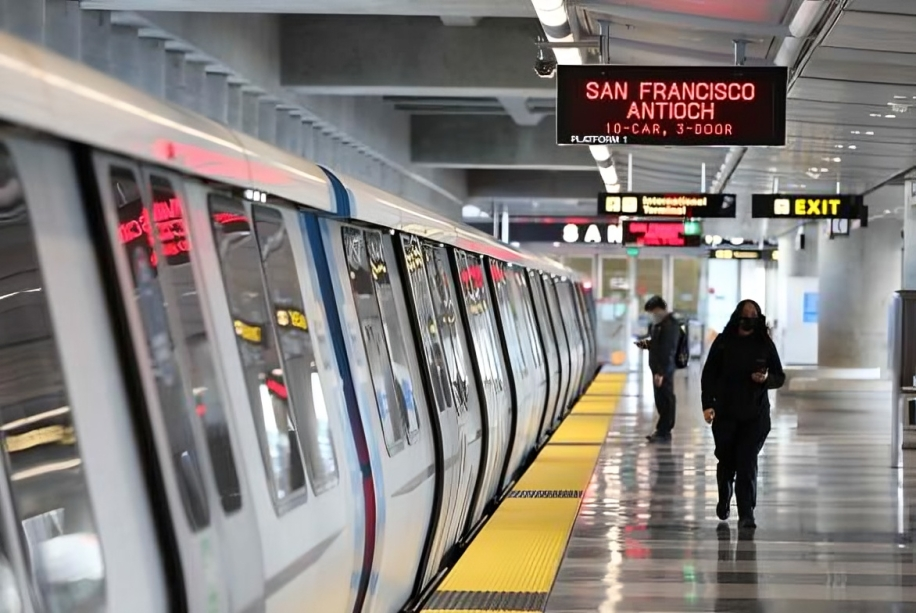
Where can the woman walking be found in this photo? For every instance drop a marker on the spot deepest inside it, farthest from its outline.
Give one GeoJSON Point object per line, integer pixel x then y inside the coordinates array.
{"type": "Point", "coordinates": [742, 366]}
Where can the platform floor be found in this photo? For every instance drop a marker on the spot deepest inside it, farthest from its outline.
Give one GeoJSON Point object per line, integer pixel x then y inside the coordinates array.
{"type": "Point", "coordinates": [835, 522]}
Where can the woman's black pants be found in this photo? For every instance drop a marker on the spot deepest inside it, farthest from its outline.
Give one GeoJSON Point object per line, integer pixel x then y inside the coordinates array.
{"type": "Point", "coordinates": [737, 445]}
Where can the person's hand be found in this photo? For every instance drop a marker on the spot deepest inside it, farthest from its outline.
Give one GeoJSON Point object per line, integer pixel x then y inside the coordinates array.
{"type": "Point", "coordinates": [709, 415]}
{"type": "Point", "coordinates": [759, 377]}
{"type": "Point", "coordinates": [658, 379]}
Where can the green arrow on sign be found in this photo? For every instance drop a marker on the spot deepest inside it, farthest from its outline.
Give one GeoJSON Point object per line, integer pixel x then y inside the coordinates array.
{"type": "Point", "coordinates": [632, 251]}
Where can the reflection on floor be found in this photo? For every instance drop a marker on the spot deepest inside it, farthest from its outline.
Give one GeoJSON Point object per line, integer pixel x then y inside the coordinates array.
{"type": "Point", "coordinates": [834, 521]}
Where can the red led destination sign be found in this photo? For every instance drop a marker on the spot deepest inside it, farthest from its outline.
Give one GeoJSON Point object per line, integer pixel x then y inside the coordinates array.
{"type": "Point", "coordinates": [671, 105]}
{"type": "Point", "coordinates": [658, 234]}
{"type": "Point", "coordinates": [668, 205]}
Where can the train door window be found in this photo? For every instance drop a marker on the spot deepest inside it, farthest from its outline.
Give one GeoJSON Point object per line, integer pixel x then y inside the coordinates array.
{"type": "Point", "coordinates": [300, 372]}
{"type": "Point", "coordinates": [519, 290]}
{"type": "Point", "coordinates": [436, 367]}
{"type": "Point", "coordinates": [443, 295]}
{"type": "Point", "coordinates": [175, 402]}
{"type": "Point", "coordinates": [509, 316]}
{"type": "Point", "coordinates": [180, 290]}
{"type": "Point", "coordinates": [49, 538]}
{"type": "Point", "coordinates": [392, 324]}
{"type": "Point", "coordinates": [471, 280]}
{"type": "Point", "coordinates": [254, 331]}
{"type": "Point", "coordinates": [484, 317]}
{"type": "Point", "coordinates": [388, 395]}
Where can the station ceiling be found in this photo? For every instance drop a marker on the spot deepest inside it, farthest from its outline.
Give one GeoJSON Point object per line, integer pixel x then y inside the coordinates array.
{"type": "Point", "coordinates": [463, 71]}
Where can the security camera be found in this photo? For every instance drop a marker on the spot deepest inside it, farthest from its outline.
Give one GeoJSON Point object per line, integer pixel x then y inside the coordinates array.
{"type": "Point", "coordinates": [545, 66]}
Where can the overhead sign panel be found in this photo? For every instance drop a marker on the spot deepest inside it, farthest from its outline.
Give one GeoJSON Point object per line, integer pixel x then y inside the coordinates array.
{"type": "Point", "coordinates": [572, 230]}
{"type": "Point", "coordinates": [658, 234]}
{"type": "Point", "coordinates": [671, 105]}
{"type": "Point", "coordinates": [743, 254]}
{"type": "Point", "coordinates": [807, 206]}
{"type": "Point", "coordinates": [667, 205]}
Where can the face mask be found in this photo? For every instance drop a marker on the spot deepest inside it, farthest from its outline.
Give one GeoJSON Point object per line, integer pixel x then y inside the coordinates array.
{"type": "Point", "coordinates": [657, 318]}
{"type": "Point", "coordinates": [748, 324]}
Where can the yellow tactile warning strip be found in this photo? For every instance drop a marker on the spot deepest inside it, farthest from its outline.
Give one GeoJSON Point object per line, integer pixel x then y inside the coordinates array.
{"type": "Point", "coordinates": [511, 564]}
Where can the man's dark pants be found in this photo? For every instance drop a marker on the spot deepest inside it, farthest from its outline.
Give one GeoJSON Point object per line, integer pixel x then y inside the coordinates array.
{"type": "Point", "coordinates": [666, 405]}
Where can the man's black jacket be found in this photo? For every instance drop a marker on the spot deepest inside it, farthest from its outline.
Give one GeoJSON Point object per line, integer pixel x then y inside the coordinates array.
{"type": "Point", "coordinates": [663, 345]}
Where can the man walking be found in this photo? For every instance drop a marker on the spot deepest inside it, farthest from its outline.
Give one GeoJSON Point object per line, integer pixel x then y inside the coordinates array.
{"type": "Point", "coordinates": [664, 334]}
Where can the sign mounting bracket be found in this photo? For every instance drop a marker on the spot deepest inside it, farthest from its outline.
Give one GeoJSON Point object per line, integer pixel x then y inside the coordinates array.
{"type": "Point", "coordinates": [740, 51]}
{"type": "Point", "coordinates": [604, 41]}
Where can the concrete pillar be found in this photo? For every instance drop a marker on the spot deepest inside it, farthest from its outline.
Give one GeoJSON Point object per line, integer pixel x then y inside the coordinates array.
{"type": "Point", "coordinates": [216, 96]}
{"type": "Point", "coordinates": [24, 18]}
{"type": "Point", "coordinates": [194, 76]}
{"type": "Point", "coordinates": [294, 131]}
{"type": "Point", "coordinates": [174, 76]}
{"type": "Point", "coordinates": [267, 120]}
{"type": "Point", "coordinates": [153, 60]}
{"type": "Point", "coordinates": [62, 27]}
{"type": "Point", "coordinates": [250, 111]}
{"type": "Point", "coordinates": [94, 42]}
{"type": "Point", "coordinates": [909, 236]}
{"type": "Point", "coordinates": [234, 105]}
{"type": "Point", "coordinates": [796, 274]}
{"type": "Point", "coordinates": [857, 276]}
{"type": "Point", "coordinates": [125, 56]}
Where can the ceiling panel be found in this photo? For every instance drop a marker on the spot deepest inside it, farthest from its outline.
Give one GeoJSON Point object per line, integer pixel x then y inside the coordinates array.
{"type": "Point", "coordinates": [900, 7]}
{"type": "Point", "coordinates": [876, 31]}
{"type": "Point", "coordinates": [755, 11]}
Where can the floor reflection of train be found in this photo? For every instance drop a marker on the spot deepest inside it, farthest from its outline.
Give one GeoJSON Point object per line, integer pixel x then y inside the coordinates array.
{"type": "Point", "coordinates": [232, 381]}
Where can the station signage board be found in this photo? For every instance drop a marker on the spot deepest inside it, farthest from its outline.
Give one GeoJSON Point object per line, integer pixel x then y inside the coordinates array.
{"type": "Point", "coordinates": [744, 254]}
{"type": "Point", "coordinates": [658, 234]}
{"type": "Point", "coordinates": [569, 230]}
{"type": "Point", "coordinates": [807, 206]}
{"type": "Point", "coordinates": [668, 205]}
{"type": "Point", "coordinates": [671, 105]}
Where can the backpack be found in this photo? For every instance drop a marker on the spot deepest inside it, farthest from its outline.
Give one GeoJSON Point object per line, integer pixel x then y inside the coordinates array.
{"type": "Point", "coordinates": [682, 355]}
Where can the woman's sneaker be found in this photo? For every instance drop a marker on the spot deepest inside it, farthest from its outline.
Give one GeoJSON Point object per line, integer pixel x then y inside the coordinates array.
{"type": "Point", "coordinates": [723, 510]}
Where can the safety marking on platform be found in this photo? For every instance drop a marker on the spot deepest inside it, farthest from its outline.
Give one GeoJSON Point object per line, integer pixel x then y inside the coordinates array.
{"type": "Point", "coordinates": [488, 601]}
{"type": "Point", "coordinates": [545, 494]}
{"type": "Point", "coordinates": [511, 564]}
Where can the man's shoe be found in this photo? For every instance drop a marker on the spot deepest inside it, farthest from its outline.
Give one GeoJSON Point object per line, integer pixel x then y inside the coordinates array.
{"type": "Point", "coordinates": [659, 438]}
{"type": "Point", "coordinates": [723, 510]}
{"type": "Point", "coordinates": [747, 523]}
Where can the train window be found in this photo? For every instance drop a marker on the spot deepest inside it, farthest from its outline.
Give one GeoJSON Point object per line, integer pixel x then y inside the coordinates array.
{"type": "Point", "coordinates": [296, 351]}
{"type": "Point", "coordinates": [40, 447]}
{"type": "Point", "coordinates": [392, 323]}
{"type": "Point", "coordinates": [511, 324]}
{"type": "Point", "coordinates": [181, 291]}
{"type": "Point", "coordinates": [178, 411]}
{"type": "Point", "coordinates": [519, 289]}
{"type": "Point", "coordinates": [477, 300]}
{"type": "Point", "coordinates": [254, 332]}
{"type": "Point", "coordinates": [436, 367]}
{"type": "Point", "coordinates": [388, 395]}
{"type": "Point", "coordinates": [442, 292]}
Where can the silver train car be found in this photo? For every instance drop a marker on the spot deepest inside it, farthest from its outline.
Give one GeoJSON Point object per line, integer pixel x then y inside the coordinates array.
{"type": "Point", "coordinates": [236, 381]}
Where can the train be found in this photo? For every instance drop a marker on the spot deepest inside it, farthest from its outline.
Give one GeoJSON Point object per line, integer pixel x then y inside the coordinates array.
{"type": "Point", "coordinates": [234, 380]}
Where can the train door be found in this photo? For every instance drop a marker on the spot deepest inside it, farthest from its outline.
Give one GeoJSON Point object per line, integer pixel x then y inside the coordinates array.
{"type": "Point", "coordinates": [442, 398]}
{"type": "Point", "coordinates": [390, 397]}
{"type": "Point", "coordinates": [492, 375]}
{"type": "Point", "coordinates": [271, 332]}
{"type": "Point", "coordinates": [563, 347]}
{"type": "Point", "coordinates": [151, 258]}
{"type": "Point", "coordinates": [544, 325]}
{"type": "Point", "coordinates": [79, 512]}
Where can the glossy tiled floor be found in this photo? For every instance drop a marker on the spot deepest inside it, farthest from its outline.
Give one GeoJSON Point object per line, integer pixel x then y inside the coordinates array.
{"type": "Point", "coordinates": [834, 521]}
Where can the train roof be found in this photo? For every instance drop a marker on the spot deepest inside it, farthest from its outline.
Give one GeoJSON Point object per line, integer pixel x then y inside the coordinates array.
{"type": "Point", "coordinates": [59, 96]}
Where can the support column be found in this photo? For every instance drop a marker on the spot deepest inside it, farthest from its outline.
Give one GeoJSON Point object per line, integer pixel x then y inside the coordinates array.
{"type": "Point", "coordinates": [216, 96]}
{"type": "Point", "coordinates": [62, 27]}
{"type": "Point", "coordinates": [796, 274]}
{"type": "Point", "coordinates": [909, 236]}
{"type": "Point", "coordinates": [858, 275]}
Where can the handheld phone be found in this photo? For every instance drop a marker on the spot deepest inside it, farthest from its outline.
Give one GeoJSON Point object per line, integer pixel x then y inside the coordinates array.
{"type": "Point", "coordinates": [760, 365]}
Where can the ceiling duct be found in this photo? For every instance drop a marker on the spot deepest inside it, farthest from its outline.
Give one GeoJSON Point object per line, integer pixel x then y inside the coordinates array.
{"type": "Point", "coordinates": [555, 22]}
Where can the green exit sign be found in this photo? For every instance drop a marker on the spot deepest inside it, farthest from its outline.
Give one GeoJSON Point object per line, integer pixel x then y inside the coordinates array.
{"type": "Point", "coordinates": [632, 251]}
{"type": "Point", "coordinates": [693, 228]}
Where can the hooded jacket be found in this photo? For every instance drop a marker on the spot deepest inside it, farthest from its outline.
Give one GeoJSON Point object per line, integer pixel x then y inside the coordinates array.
{"type": "Point", "coordinates": [727, 385]}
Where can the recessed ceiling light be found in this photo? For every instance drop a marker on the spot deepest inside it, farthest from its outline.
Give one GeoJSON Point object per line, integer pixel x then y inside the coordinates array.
{"type": "Point", "coordinates": [825, 170]}
{"type": "Point", "coordinates": [803, 186]}
{"type": "Point", "coordinates": [874, 114]}
{"type": "Point", "coordinates": [899, 97]}
{"type": "Point", "coordinates": [856, 132]}
{"type": "Point", "coordinates": [869, 133]}
{"type": "Point", "coordinates": [887, 211]}
{"type": "Point", "coordinates": [813, 169]}
{"type": "Point", "coordinates": [556, 244]}
{"type": "Point", "coordinates": [853, 147]}
{"type": "Point", "coordinates": [838, 146]}
{"type": "Point", "coordinates": [837, 160]}
{"type": "Point", "coordinates": [772, 169]}
{"type": "Point", "coordinates": [890, 116]}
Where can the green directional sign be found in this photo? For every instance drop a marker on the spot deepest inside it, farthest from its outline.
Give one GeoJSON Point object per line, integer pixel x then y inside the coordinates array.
{"type": "Point", "coordinates": [632, 251]}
